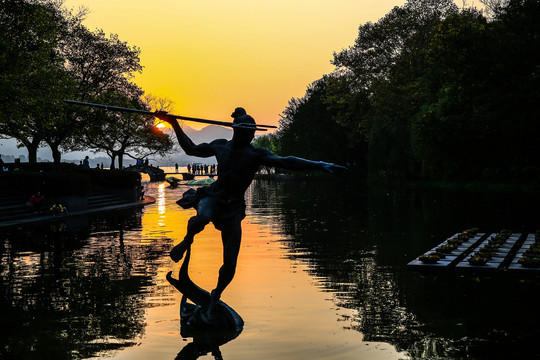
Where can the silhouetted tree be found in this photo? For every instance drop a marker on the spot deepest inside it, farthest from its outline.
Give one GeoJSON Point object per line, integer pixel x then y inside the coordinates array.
{"type": "Point", "coordinates": [431, 91]}
{"type": "Point", "coordinates": [31, 68]}
{"type": "Point", "coordinates": [120, 134]}
{"type": "Point", "coordinates": [306, 128]}
{"type": "Point", "coordinates": [50, 57]}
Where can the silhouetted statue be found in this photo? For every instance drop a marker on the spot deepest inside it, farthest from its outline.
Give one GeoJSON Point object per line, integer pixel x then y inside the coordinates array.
{"type": "Point", "coordinates": [223, 201]}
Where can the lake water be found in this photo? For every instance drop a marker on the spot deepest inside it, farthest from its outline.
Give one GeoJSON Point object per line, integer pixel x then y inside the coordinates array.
{"type": "Point", "coordinates": [321, 275]}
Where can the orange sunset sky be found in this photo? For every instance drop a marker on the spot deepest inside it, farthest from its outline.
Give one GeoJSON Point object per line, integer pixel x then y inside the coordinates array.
{"type": "Point", "coordinates": [210, 56]}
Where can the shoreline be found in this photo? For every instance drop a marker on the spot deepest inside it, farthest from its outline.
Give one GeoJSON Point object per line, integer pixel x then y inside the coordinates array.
{"type": "Point", "coordinates": [48, 218]}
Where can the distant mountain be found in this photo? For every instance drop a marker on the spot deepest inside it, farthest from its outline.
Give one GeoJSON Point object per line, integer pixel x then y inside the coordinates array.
{"type": "Point", "coordinates": [208, 133]}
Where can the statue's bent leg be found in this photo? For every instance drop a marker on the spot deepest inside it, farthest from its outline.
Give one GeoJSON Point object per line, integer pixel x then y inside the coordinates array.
{"type": "Point", "coordinates": [231, 236]}
{"type": "Point", "coordinates": [196, 224]}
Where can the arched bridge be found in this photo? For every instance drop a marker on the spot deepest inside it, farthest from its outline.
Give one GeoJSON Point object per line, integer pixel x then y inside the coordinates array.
{"type": "Point", "coordinates": [155, 173]}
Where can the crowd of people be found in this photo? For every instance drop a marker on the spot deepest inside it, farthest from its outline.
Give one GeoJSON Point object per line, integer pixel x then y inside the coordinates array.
{"type": "Point", "coordinates": [201, 169]}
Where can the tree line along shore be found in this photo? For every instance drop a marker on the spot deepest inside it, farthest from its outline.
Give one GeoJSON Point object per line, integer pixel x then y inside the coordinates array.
{"type": "Point", "coordinates": [430, 92]}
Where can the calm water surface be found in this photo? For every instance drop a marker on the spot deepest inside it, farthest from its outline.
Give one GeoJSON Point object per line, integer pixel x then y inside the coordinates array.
{"type": "Point", "coordinates": [321, 275]}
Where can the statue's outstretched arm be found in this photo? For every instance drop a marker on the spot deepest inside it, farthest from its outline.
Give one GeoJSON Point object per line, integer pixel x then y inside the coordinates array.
{"type": "Point", "coordinates": [296, 163]}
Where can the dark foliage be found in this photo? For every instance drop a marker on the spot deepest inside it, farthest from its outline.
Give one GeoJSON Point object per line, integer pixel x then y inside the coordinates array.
{"type": "Point", "coordinates": [430, 92]}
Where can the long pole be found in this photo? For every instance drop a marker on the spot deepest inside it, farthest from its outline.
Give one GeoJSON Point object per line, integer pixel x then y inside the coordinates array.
{"type": "Point", "coordinates": [145, 112]}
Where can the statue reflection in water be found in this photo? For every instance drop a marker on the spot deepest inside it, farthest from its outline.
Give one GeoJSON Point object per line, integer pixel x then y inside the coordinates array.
{"type": "Point", "coordinates": [222, 203]}
{"type": "Point", "coordinates": [207, 337]}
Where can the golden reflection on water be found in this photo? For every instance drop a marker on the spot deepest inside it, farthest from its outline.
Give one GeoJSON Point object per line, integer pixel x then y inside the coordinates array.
{"type": "Point", "coordinates": [161, 204]}
{"type": "Point", "coordinates": [287, 313]}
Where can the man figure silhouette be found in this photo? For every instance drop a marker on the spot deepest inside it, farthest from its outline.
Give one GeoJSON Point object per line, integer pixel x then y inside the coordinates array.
{"type": "Point", "coordinates": [223, 201]}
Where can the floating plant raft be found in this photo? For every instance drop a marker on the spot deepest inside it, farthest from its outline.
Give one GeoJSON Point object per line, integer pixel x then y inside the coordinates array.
{"type": "Point", "coordinates": [471, 251]}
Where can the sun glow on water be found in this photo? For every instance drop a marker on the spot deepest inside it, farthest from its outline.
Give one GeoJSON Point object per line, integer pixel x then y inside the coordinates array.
{"type": "Point", "coordinates": [161, 204]}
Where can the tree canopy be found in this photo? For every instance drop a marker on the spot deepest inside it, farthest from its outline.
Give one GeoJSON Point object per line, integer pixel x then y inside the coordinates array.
{"type": "Point", "coordinates": [52, 57]}
{"type": "Point", "coordinates": [430, 91]}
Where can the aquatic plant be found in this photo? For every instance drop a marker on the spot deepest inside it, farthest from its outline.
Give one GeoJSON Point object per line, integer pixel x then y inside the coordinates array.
{"type": "Point", "coordinates": [478, 260]}
{"type": "Point", "coordinates": [446, 248]}
{"type": "Point", "coordinates": [430, 258]}
{"type": "Point", "coordinates": [530, 262]}
{"type": "Point", "coordinates": [486, 252]}
{"type": "Point", "coordinates": [531, 257]}
{"type": "Point", "coordinates": [455, 241]}
{"type": "Point", "coordinates": [441, 255]}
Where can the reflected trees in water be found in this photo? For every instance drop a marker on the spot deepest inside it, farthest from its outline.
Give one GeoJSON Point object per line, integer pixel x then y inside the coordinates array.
{"type": "Point", "coordinates": [329, 231]}
{"type": "Point", "coordinates": [357, 242]}
{"type": "Point", "coordinates": [71, 304]}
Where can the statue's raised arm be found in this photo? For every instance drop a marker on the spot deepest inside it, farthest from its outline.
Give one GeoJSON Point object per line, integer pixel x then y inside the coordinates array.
{"type": "Point", "coordinates": [200, 150]}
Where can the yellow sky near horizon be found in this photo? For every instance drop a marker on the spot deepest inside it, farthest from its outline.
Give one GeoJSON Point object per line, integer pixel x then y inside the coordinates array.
{"type": "Point", "coordinates": [211, 56]}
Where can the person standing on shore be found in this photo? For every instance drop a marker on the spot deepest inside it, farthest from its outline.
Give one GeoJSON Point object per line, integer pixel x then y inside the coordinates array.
{"type": "Point", "coordinates": [36, 200]}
